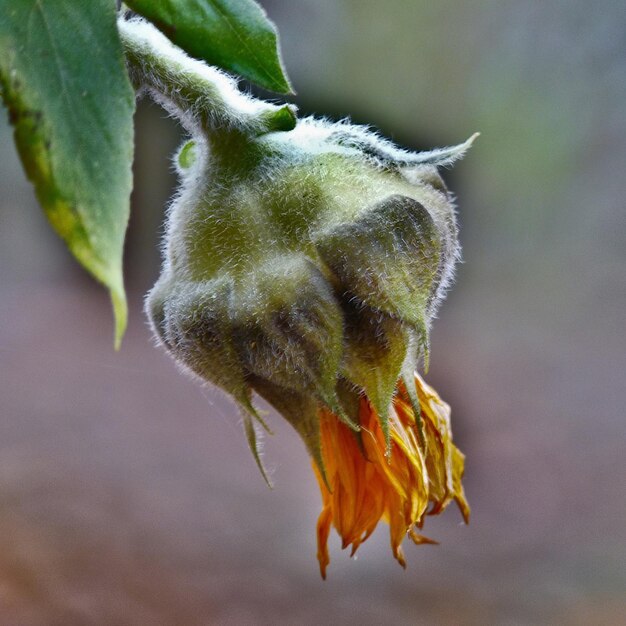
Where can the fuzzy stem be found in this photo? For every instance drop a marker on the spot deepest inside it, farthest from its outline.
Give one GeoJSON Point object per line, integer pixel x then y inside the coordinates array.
{"type": "Point", "coordinates": [202, 97]}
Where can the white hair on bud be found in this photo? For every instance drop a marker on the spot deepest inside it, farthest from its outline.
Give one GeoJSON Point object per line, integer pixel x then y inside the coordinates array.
{"type": "Point", "coordinates": [189, 89]}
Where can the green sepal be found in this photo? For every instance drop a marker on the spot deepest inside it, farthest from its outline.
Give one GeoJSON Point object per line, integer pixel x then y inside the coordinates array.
{"type": "Point", "coordinates": [187, 155]}
{"type": "Point", "coordinates": [283, 119]}
{"type": "Point", "coordinates": [420, 337]}
{"type": "Point", "coordinates": [439, 156]}
{"type": "Point", "coordinates": [194, 323]}
{"type": "Point", "coordinates": [301, 411]}
{"type": "Point", "coordinates": [376, 347]}
{"type": "Point", "coordinates": [349, 396]}
{"type": "Point", "coordinates": [288, 328]}
{"type": "Point", "coordinates": [388, 258]}
{"type": "Point", "coordinates": [408, 378]}
{"type": "Point", "coordinates": [251, 436]}
{"type": "Point", "coordinates": [192, 319]}
{"type": "Point", "coordinates": [335, 406]}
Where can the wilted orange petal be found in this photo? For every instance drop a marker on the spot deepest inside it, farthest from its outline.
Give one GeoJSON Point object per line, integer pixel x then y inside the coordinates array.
{"type": "Point", "coordinates": [369, 485]}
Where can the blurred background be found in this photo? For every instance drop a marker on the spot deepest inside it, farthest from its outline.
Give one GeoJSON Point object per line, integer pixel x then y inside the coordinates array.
{"type": "Point", "coordinates": [127, 493]}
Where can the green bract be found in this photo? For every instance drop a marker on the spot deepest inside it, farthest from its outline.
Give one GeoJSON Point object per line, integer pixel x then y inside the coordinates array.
{"type": "Point", "coordinates": [304, 259]}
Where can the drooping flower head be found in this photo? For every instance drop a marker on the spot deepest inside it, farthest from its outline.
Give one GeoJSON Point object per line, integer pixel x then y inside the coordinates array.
{"type": "Point", "coordinates": [367, 480]}
{"type": "Point", "coordinates": [304, 261]}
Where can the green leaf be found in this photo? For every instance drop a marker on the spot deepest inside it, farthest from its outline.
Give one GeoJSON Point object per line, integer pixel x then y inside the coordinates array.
{"type": "Point", "coordinates": [235, 35]}
{"type": "Point", "coordinates": [63, 80]}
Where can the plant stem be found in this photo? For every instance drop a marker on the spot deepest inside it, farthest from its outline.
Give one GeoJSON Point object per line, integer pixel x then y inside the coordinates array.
{"type": "Point", "coordinates": [202, 97]}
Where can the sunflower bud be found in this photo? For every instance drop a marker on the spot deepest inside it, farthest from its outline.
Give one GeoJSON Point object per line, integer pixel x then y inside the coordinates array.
{"type": "Point", "coordinates": [304, 261]}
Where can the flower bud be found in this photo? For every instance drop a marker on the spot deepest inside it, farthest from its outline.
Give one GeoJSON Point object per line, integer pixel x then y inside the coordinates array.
{"type": "Point", "coordinates": [304, 261]}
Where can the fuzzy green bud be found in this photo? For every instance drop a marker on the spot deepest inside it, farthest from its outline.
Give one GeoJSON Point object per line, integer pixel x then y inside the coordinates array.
{"type": "Point", "coordinates": [303, 259]}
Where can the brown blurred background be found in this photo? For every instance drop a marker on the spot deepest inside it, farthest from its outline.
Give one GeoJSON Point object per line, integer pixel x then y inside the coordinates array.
{"type": "Point", "coordinates": [127, 494]}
